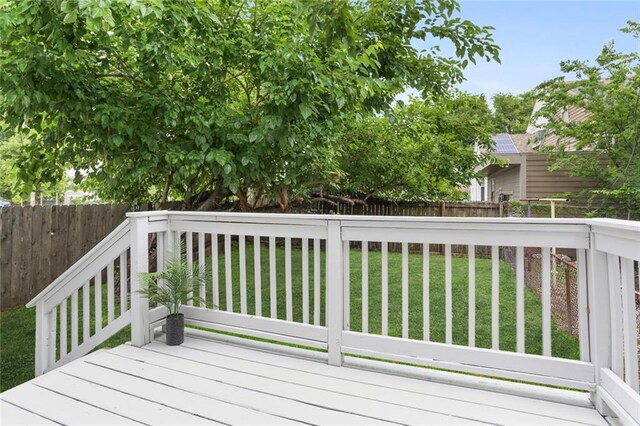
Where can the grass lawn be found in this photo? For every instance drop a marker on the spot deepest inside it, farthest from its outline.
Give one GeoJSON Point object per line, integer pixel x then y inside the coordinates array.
{"type": "Point", "coordinates": [17, 326]}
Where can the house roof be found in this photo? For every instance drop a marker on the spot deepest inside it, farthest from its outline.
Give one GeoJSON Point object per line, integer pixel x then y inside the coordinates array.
{"type": "Point", "coordinates": [504, 144]}
{"type": "Point", "coordinates": [511, 144]}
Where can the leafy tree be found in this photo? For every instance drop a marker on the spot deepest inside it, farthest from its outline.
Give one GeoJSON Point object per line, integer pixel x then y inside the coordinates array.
{"type": "Point", "coordinates": [609, 90]}
{"type": "Point", "coordinates": [512, 112]}
{"type": "Point", "coordinates": [14, 189]}
{"type": "Point", "coordinates": [420, 151]}
{"type": "Point", "coordinates": [201, 99]}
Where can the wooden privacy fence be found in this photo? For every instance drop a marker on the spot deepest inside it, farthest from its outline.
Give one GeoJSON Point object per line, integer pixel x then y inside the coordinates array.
{"type": "Point", "coordinates": [39, 243]}
{"type": "Point", "coordinates": [413, 208]}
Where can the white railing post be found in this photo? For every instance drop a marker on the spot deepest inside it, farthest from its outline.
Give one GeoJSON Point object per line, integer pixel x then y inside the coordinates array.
{"type": "Point", "coordinates": [335, 294]}
{"type": "Point", "coordinates": [42, 338]}
{"type": "Point", "coordinates": [140, 334]}
{"type": "Point", "coordinates": [599, 317]}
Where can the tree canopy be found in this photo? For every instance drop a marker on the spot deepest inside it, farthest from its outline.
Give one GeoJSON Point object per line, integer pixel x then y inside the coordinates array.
{"type": "Point", "coordinates": [512, 112]}
{"type": "Point", "coordinates": [609, 90]}
{"type": "Point", "coordinates": [420, 151]}
{"type": "Point", "coordinates": [201, 99]}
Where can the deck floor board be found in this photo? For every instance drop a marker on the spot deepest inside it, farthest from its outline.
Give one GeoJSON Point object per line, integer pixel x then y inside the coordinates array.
{"type": "Point", "coordinates": [209, 382]}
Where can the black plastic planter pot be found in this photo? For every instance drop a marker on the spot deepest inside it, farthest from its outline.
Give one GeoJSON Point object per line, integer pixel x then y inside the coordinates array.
{"type": "Point", "coordinates": [175, 329]}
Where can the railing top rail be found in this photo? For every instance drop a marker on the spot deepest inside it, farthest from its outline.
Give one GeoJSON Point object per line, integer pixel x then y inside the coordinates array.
{"type": "Point", "coordinates": [631, 226]}
{"type": "Point", "coordinates": [266, 217]}
{"type": "Point", "coordinates": [84, 261]}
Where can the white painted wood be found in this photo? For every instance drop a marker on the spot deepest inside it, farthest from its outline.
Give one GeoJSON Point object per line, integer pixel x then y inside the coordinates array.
{"type": "Point", "coordinates": [365, 287]}
{"type": "Point", "coordinates": [215, 272]}
{"type": "Point", "coordinates": [257, 275]}
{"type": "Point", "coordinates": [63, 329]}
{"type": "Point", "coordinates": [425, 381]}
{"type": "Point", "coordinates": [305, 280]}
{"type": "Point", "coordinates": [202, 269]}
{"type": "Point", "coordinates": [583, 305]}
{"type": "Point", "coordinates": [210, 402]}
{"type": "Point", "coordinates": [546, 301]}
{"type": "Point", "coordinates": [118, 235]}
{"type": "Point", "coordinates": [273, 293]}
{"type": "Point", "coordinates": [74, 320]}
{"type": "Point", "coordinates": [448, 298]}
{"type": "Point", "coordinates": [384, 261]}
{"type": "Point", "coordinates": [495, 298]}
{"type": "Point", "coordinates": [622, 394]}
{"type": "Point", "coordinates": [43, 341]}
{"type": "Point", "coordinates": [615, 301]}
{"type": "Point", "coordinates": [97, 293]}
{"type": "Point", "coordinates": [250, 322]}
{"type": "Point", "coordinates": [189, 259]}
{"type": "Point", "coordinates": [110, 292]}
{"type": "Point", "coordinates": [249, 333]}
{"type": "Point", "coordinates": [162, 247]}
{"type": "Point", "coordinates": [375, 390]}
{"type": "Point", "coordinates": [471, 250]}
{"type": "Point", "coordinates": [620, 238]}
{"type": "Point", "coordinates": [405, 290]}
{"type": "Point", "coordinates": [86, 347]}
{"type": "Point", "coordinates": [86, 311]}
{"type": "Point", "coordinates": [52, 342]}
{"type": "Point", "coordinates": [498, 360]}
{"type": "Point", "coordinates": [309, 395]}
{"type": "Point", "coordinates": [14, 415]}
{"type": "Point", "coordinates": [64, 289]}
{"type": "Point", "coordinates": [239, 227]}
{"type": "Point", "coordinates": [61, 409]}
{"type": "Point", "coordinates": [520, 325]}
{"type": "Point", "coordinates": [228, 273]}
{"type": "Point", "coordinates": [243, 273]}
{"type": "Point", "coordinates": [426, 310]}
{"type": "Point", "coordinates": [139, 264]}
{"type": "Point", "coordinates": [124, 402]}
{"type": "Point", "coordinates": [266, 400]}
{"type": "Point", "coordinates": [288, 286]}
{"type": "Point", "coordinates": [346, 284]}
{"type": "Point", "coordinates": [599, 317]}
{"type": "Point", "coordinates": [124, 297]}
{"type": "Point", "coordinates": [316, 281]}
{"type": "Point", "coordinates": [335, 293]}
{"type": "Point", "coordinates": [629, 333]}
{"type": "Point", "coordinates": [487, 236]}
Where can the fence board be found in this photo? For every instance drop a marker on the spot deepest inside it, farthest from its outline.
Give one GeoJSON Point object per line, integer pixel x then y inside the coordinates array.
{"type": "Point", "coordinates": [39, 243]}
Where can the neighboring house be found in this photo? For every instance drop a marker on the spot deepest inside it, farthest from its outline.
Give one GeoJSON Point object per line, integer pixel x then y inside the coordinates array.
{"type": "Point", "coordinates": [527, 175]}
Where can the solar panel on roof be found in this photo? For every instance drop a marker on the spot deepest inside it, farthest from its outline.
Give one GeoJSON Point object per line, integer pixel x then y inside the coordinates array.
{"type": "Point", "coordinates": [504, 144]}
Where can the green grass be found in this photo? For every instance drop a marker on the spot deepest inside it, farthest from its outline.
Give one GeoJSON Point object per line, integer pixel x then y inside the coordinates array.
{"type": "Point", "coordinates": [17, 346]}
{"type": "Point", "coordinates": [563, 344]}
{"type": "Point", "coordinates": [17, 326]}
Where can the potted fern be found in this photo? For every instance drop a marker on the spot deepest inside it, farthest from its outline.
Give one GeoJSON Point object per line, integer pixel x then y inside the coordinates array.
{"type": "Point", "coordinates": [176, 285]}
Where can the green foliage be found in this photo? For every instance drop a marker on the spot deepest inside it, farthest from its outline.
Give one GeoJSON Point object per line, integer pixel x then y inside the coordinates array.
{"type": "Point", "coordinates": [177, 284]}
{"type": "Point", "coordinates": [420, 151]}
{"type": "Point", "coordinates": [512, 112]}
{"type": "Point", "coordinates": [16, 182]}
{"type": "Point", "coordinates": [150, 98]}
{"type": "Point", "coordinates": [609, 90]}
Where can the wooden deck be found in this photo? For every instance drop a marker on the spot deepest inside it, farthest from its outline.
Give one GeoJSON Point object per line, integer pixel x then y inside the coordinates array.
{"type": "Point", "coordinates": [205, 381]}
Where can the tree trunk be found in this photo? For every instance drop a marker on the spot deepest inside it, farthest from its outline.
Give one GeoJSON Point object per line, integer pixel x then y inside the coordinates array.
{"type": "Point", "coordinates": [242, 199]}
{"type": "Point", "coordinates": [284, 199]}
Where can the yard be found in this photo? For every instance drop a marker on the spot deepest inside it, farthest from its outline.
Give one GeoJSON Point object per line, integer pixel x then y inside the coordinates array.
{"type": "Point", "coordinates": [17, 326]}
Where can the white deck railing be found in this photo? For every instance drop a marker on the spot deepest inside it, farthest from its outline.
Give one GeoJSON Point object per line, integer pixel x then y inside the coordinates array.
{"type": "Point", "coordinates": [319, 303]}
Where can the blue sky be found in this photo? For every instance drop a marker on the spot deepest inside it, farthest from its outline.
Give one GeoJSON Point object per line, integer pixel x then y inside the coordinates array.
{"type": "Point", "coordinates": [536, 35]}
